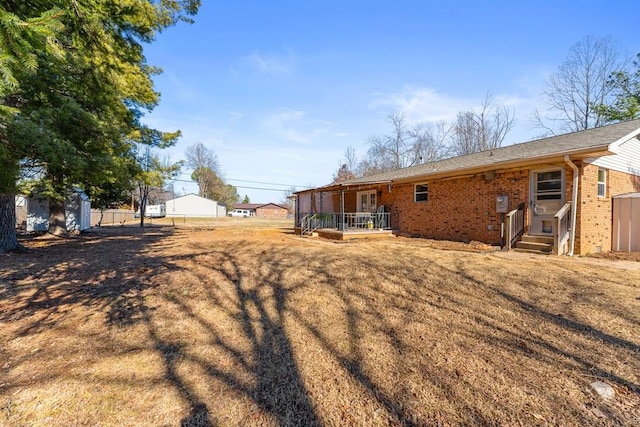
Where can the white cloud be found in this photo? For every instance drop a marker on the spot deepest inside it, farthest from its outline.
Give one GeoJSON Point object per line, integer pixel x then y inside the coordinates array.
{"type": "Point", "coordinates": [235, 116]}
{"type": "Point", "coordinates": [421, 104]}
{"type": "Point", "coordinates": [273, 64]}
{"type": "Point", "coordinates": [179, 88]}
{"type": "Point", "coordinates": [282, 123]}
{"type": "Point", "coordinates": [294, 126]}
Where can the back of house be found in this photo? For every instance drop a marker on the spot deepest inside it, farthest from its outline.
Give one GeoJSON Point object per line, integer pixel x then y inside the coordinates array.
{"type": "Point", "coordinates": [553, 193]}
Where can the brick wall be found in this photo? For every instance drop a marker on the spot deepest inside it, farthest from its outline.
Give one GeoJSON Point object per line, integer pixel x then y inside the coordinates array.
{"type": "Point", "coordinates": [461, 209]}
{"type": "Point", "coordinates": [464, 209]}
{"type": "Point", "coordinates": [595, 213]}
{"type": "Point", "coordinates": [271, 212]}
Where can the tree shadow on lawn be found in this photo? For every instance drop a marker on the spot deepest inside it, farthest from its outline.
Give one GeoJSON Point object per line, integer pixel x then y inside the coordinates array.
{"type": "Point", "coordinates": [110, 271]}
{"type": "Point", "coordinates": [252, 295]}
{"type": "Point", "coordinates": [252, 290]}
{"type": "Point", "coordinates": [469, 302]}
{"type": "Point", "coordinates": [256, 311]}
{"type": "Point", "coordinates": [113, 274]}
{"type": "Point", "coordinates": [95, 271]}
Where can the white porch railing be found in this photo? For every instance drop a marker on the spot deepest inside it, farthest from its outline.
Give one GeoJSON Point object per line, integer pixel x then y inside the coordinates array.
{"type": "Point", "coordinates": [346, 221]}
{"type": "Point", "coordinates": [514, 224]}
{"type": "Point", "coordinates": [563, 229]}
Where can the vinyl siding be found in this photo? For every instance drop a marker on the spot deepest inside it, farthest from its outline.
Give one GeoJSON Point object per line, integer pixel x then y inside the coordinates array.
{"type": "Point", "coordinates": [627, 160]}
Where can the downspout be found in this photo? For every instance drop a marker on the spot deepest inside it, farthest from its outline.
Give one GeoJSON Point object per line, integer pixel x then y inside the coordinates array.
{"type": "Point", "coordinates": [574, 202]}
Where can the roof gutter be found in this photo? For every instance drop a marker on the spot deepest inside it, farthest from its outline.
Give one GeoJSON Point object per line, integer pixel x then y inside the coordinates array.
{"type": "Point", "coordinates": [505, 164]}
{"type": "Point", "coordinates": [574, 201]}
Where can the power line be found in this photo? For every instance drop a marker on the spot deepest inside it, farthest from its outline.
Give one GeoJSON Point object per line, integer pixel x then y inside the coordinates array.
{"type": "Point", "coordinates": [252, 182]}
{"type": "Point", "coordinates": [280, 190]}
{"type": "Point", "coordinates": [266, 183]}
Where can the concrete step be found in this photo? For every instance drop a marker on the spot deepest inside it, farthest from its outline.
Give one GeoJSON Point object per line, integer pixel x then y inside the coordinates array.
{"type": "Point", "coordinates": [531, 251]}
{"type": "Point", "coordinates": [538, 239]}
{"type": "Point", "coordinates": [535, 246]}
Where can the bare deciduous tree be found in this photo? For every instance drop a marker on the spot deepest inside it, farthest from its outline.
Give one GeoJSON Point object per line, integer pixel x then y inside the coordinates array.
{"type": "Point", "coordinates": [429, 141]}
{"type": "Point", "coordinates": [289, 201]}
{"type": "Point", "coordinates": [405, 146]}
{"type": "Point", "coordinates": [202, 159]}
{"type": "Point", "coordinates": [393, 151]}
{"type": "Point", "coordinates": [343, 174]}
{"type": "Point", "coordinates": [351, 159]}
{"type": "Point", "coordinates": [579, 85]}
{"type": "Point", "coordinates": [484, 130]}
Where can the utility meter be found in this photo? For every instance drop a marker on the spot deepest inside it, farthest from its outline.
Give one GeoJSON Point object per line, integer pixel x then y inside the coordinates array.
{"type": "Point", "coordinates": [502, 204]}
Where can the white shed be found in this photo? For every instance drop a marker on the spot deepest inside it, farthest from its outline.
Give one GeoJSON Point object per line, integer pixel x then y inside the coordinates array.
{"type": "Point", "coordinates": [192, 205]}
{"type": "Point", "coordinates": [77, 209]}
{"type": "Point", "coordinates": [626, 223]}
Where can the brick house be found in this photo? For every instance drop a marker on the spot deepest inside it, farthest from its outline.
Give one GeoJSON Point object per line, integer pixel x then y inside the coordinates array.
{"type": "Point", "coordinates": [526, 195]}
{"type": "Point", "coordinates": [267, 210]}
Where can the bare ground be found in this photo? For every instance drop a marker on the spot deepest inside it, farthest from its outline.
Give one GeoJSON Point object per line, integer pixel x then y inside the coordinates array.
{"type": "Point", "coordinates": [249, 326]}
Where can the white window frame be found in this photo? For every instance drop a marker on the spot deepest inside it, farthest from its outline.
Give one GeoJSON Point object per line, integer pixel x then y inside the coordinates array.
{"type": "Point", "coordinates": [371, 198]}
{"type": "Point", "coordinates": [602, 185]}
{"type": "Point", "coordinates": [421, 193]}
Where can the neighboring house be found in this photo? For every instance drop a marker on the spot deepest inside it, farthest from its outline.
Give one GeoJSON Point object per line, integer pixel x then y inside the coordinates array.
{"type": "Point", "coordinates": [272, 210]}
{"type": "Point", "coordinates": [192, 205]}
{"type": "Point", "coordinates": [251, 207]}
{"type": "Point", "coordinates": [529, 192]}
{"type": "Point", "coordinates": [263, 210]}
{"type": "Point", "coordinates": [77, 210]}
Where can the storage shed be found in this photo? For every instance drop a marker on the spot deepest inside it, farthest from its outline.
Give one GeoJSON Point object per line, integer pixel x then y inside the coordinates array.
{"type": "Point", "coordinates": [626, 222]}
{"type": "Point", "coordinates": [77, 209]}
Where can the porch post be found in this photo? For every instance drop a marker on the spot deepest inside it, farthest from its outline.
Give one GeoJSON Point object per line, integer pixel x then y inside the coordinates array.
{"type": "Point", "coordinates": [341, 225]}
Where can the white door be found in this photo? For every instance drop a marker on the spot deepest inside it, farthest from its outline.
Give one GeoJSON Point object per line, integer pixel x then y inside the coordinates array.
{"type": "Point", "coordinates": [547, 197]}
{"type": "Point", "coordinates": [366, 201]}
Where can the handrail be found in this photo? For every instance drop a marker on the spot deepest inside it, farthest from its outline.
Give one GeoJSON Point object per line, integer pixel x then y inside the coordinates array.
{"type": "Point", "coordinates": [514, 222]}
{"type": "Point", "coordinates": [305, 224]}
{"type": "Point", "coordinates": [563, 210]}
{"type": "Point", "coordinates": [345, 221]}
{"type": "Point", "coordinates": [563, 229]}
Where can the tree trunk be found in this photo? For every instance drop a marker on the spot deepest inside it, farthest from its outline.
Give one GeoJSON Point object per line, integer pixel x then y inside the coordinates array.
{"type": "Point", "coordinates": [8, 238]}
{"type": "Point", "coordinates": [143, 210]}
{"type": "Point", "coordinates": [57, 218]}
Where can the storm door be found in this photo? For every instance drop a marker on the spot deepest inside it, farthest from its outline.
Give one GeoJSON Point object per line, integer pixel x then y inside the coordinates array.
{"type": "Point", "coordinates": [547, 197]}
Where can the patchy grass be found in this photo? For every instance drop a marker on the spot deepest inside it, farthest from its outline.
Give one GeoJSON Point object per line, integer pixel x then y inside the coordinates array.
{"type": "Point", "coordinates": [220, 222]}
{"type": "Point", "coordinates": [253, 326]}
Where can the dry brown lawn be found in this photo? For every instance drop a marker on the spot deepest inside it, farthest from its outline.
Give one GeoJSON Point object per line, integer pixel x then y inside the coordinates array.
{"type": "Point", "coordinates": [250, 326]}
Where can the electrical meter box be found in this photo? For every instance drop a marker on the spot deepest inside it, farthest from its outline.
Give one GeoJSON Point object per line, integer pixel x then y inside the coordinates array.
{"type": "Point", "coordinates": [502, 204]}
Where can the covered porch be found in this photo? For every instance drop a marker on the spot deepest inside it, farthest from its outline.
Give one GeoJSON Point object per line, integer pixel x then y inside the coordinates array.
{"type": "Point", "coordinates": [347, 225]}
{"type": "Point", "coordinates": [342, 211]}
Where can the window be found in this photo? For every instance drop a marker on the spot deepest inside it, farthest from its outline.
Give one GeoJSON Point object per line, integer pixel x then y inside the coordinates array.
{"type": "Point", "coordinates": [549, 185]}
{"type": "Point", "coordinates": [421, 193]}
{"type": "Point", "coordinates": [547, 192]}
{"type": "Point", "coordinates": [367, 201]}
{"type": "Point", "coordinates": [602, 183]}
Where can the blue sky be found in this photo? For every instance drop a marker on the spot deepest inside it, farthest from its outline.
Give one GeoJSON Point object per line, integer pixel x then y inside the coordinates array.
{"type": "Point", "coordinates": [279, 89]}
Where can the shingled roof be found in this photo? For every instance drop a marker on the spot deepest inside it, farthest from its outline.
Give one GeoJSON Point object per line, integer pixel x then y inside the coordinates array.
{"type": "Point", "coordinates": [589, 143]}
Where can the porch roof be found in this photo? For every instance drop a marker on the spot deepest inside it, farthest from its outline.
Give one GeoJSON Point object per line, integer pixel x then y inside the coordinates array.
{"type": "Point", "coordinates": [596, 142]}
{"type": "Point", "coordinates": [360, 184]}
